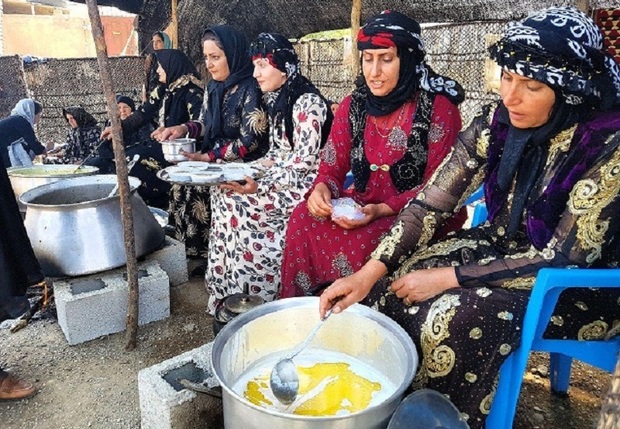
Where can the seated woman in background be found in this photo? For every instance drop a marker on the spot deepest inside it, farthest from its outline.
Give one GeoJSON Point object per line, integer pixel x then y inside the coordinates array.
{"type": "Point", "coordinates": [82, 138]}
{"type": "Point", "coordinates": [176, 100]}
{"type": "Point", "coordinates": [18, 142]}
{"type": "Point", "coordinates": [159, 41]}
{"type": "Point", "coordinates": [233, 127]}
{"type": "Point", "coordinates": [392, 132]}
{"type": "Point", "coordinates": [153, 190]}
{"type": "Point", "coordinates": [249, 219]}
{"type": "Point", "coordinates": [548, 154]}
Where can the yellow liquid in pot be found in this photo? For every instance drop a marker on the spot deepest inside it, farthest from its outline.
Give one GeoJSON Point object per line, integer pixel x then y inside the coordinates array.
{"type": "Point", "coordinates": [325, 389]}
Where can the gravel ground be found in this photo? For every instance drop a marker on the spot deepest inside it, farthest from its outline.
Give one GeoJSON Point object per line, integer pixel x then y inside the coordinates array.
{"type": "Point", "coordinates": [94, 384]}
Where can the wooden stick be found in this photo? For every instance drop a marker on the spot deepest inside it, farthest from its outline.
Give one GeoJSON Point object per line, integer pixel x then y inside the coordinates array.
{"type": "Point", "coordinates": [356, 13]}
{"type": "Point", "coordinates": [121, 174]}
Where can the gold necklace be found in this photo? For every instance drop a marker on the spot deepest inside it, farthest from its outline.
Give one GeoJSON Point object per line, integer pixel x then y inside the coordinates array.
{"type": "Point", "coordinates": [396, 124]}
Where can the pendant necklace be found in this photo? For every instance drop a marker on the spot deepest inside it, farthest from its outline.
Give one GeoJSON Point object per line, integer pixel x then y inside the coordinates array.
{"type": "Point", "coordinates": [396, 138]}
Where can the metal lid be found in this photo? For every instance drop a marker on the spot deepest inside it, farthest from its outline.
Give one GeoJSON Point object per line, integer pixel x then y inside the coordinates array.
{"type": "Point", "coordinates": [242, 302]}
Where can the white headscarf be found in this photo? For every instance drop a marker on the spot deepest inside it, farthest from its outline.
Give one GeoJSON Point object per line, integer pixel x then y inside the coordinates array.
{"type": "Point", "coordinates": [25, 109]}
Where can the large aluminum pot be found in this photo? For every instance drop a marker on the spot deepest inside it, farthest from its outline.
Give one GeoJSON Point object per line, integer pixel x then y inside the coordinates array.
{"type": "Point", "coordinates": [75, 228]}
{"type": "Point", "coordinates": [27, 177]}
{"type": "Point", "coordinates": [276, 327]}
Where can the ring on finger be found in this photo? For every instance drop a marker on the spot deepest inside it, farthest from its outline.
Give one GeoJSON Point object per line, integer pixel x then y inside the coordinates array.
{"type": "Point", "coordinates": [407, 301]}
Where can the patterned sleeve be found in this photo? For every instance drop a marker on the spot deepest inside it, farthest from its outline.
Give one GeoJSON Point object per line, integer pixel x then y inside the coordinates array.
{"type": "Point", "coordinates": [309, 113]}
{"type": "Point", "coordinates": [252, 128]}
{"type": "Point", "coordinates": [445, 126]}
{"type": "Point", "coordinates": [589, 224]}
{"type": "Point", "coordinates": [335, 156]}
{"type": "Point", "coordinates": [458, 176]}
{"type": "Point", "coordinates": [194, 103]}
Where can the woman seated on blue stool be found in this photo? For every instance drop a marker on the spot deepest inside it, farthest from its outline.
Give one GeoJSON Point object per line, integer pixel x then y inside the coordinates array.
{"type": "Point", "coordinates": [549, 156]}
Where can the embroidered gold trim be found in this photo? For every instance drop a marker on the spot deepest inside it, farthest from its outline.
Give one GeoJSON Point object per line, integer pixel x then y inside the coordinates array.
{"type": "Point", "coordinates": [522, 283]}
{"type": "Point", "coordinates": [560, 143]}
{"type": "Point", "coordinates": [588, 199]}
{"type": "Point", "coordinates": [387, 247]}
{"type": "Point", "coordinates": [440, 358]}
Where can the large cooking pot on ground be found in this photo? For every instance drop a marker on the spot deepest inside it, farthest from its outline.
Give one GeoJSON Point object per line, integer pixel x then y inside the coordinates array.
{"type": "Point", "coordinates": [27, 177]}
{"type": "Point", "coordinates": [75, 227]}
{"type": "Point", "coordinates": [274, 328]}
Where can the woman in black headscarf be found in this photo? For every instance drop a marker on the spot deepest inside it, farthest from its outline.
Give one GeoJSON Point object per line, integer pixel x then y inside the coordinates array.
{"type": "Point", "coordinates": [82, 138]}
{"type": "Point", "coordinates": [548, 156]}
{"type": "Point", "coordinates": [249, 219]}
{"type": "Point", "coordinates": [392, 133]}
{"type": "Point", "coordinates": [176, 100]}
{"type": "Point", "coordinates": [233, 127]}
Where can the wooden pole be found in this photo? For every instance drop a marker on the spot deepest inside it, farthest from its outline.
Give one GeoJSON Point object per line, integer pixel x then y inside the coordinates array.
{"type": "Point", "coordinates": [356, 14]}
{"type": "Point", "coordinates": [174, 24]}
{"type": "Point", "coordinates": [121, 174]}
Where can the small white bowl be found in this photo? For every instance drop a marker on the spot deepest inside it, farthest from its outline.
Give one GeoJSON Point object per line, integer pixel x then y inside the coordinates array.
{"type": "Point", "coordinates": [172, 149]}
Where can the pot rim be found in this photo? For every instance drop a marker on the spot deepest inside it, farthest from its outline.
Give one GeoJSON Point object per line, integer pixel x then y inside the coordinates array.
{"type": "Point", "coordinates": [303, 302]}
{"type": "Point", "coordinates": [134, 183]}
{"type": "Point", "coordinates": [17, 171]}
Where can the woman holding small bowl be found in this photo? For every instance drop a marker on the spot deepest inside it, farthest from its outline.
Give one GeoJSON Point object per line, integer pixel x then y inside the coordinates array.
{"type": "Point", "coordinates": [233, 127]}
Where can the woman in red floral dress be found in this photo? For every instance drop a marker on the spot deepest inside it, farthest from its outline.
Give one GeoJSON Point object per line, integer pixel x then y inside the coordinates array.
{"type": "Point", "coordinates": [392, 133]}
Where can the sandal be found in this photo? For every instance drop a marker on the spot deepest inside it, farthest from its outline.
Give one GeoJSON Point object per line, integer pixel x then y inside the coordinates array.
{"type": "Point", "coordinates": [13, 388]}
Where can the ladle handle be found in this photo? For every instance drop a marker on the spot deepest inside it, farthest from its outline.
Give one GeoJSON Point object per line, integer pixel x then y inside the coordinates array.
{"type": "Point", "coordinates": [311, 335]}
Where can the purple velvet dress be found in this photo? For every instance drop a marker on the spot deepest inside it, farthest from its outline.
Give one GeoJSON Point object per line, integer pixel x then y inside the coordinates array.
{"type": "Point", "coordinates": [572, 218]}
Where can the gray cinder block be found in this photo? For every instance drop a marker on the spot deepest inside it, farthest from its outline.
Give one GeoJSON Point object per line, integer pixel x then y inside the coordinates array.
{"type": "Point", "coordinates": [95, 305]}
{"type": "Point", "coordinates": [166, 404]}
{"type": "Point", "coordinates": [172, 259]}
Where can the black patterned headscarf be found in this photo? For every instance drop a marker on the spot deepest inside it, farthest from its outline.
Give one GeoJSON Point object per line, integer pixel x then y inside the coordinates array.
{"type": "Point", "coordinates": [393, 29]}
{"type": "Point", "coordinates": [280, 53]}
{"type": "Point", "coordinates": [562, 48]}
{"type": "Point", "coordinates": [81, 116]}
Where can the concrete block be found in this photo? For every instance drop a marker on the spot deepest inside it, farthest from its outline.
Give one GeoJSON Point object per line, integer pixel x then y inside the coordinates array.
{"type": "Point", "coordinates": [165, 404]}
{"type": "Point", "coordinates": [95, 305]}
{"type": "Point", "coordinates": [171, 258]}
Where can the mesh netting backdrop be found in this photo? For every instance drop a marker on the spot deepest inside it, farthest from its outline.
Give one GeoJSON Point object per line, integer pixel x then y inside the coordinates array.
{"type": "Point", "coordinates": [12, 84]}
{"type": "Point", "coordinates": [60, 83]}
{"type": "Point", "coordinates": [456, 50]}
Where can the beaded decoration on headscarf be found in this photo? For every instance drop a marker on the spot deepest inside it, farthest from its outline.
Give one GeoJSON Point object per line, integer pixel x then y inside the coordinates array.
{"type": "Point", "coordinates": [394, 29]}
{"type": "Point", "coordinates": [562, 48]}
{"type": "Point", "coordinates": [279, 51]}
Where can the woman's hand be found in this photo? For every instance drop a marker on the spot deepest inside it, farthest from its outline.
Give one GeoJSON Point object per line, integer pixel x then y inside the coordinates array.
{"type": "Point", "coordinates": [421, 285]}
{"type": "Point", "coordinates": [265, 162]}
{"type": "Point", "coordinates": [249, 187]}
{"type": "Point", "coordinates": [349, 290]}
{"type": "Point", "coordinates": [196, 156]}
{"type": "Point", "coordinates": [371, 212]}
{"type": "Point", "coordinates": [320, 201]}
{"type": "Point", "coordinates": [170, 133]}
{"type": "Point", "coordinates": [106, 134]}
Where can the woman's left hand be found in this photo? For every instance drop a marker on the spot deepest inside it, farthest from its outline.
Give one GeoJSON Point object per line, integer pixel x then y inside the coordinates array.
{"type": "Point", "coordinates": [249, 187]}
{"type": "Point", "coordinates": [371, 212]}
{"type": "Point", "coordinates": [421, 285]}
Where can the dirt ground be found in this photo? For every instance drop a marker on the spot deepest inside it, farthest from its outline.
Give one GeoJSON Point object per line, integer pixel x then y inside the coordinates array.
{"type": "Point", "coordinates": [94, 384]}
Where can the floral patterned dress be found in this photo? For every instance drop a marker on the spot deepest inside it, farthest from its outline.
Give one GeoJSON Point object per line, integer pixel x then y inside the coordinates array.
{"type": "Point", "coordinates": [465, 334]}
{"type": "Point", "coordinates": [247, 230]}
{"type": "Point", "coordinates": [317, 250]}
{"type": "Point", "coordinates": [244, 124]}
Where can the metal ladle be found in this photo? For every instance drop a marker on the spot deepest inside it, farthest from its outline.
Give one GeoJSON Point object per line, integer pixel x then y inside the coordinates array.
{"type": "Point", "coordinates": [130, 165]}
{"type": "Point", "coordinates": [284, 380]}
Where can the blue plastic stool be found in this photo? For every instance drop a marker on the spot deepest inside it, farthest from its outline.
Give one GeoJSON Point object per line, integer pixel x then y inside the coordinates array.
{"type": "Point", "coordinates": [550, 282]}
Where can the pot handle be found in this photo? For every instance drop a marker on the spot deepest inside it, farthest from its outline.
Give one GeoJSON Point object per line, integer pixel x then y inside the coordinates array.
{"type": "Point", "coordinates": [215, 391]}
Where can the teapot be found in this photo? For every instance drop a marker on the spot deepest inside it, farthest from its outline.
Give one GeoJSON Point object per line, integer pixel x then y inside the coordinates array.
{"type": "Point", "coordinates": [232, 306]}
